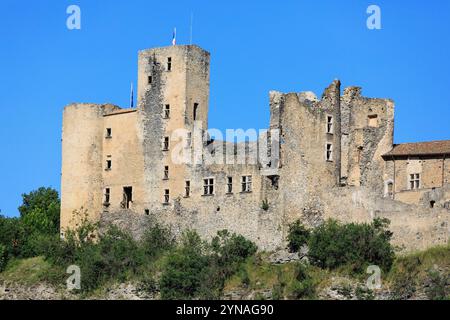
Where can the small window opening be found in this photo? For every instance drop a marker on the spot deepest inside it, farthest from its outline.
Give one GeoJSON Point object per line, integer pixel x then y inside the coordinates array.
{"type": "Point", "coordinates": [147, 212]}
{"type": "Point", "coordinates": [187, 189]}
{"type": "Point", "coordinates": [169, 64]}
{"type": "Point", "coordinates": [108, 133]}
{"type": "Point", "coordinates": [195, 111]}
{"type": "Point", "coordinates": [107, 196]}
{"type": "Point", "coordinates": [166, 144]}
{"type": "Point", "coordinates": [167, 111]}
{"type": "Point", "coordinates": [373, 120]}
{"type": "Point", "coordinates": [166, 196]}
{"type": "Point", "coordinates": [229, 184]}
{"type": "Point", "coordinates": [330, 124]}
{"type": "Point", "coordinates": [108, 164]}
{"type": "Point", "coordinates": [246, 183]}
{"type": "Point", "coordinates": [208, 187]}
{"type": "Point", "coordinates": [329, 152]}
{"type": "Point", "coordinates": [432, 203]}
{"type": "Point", "coordinates": [414, 181]}
{"type": "Point", "coordinates": [166, 173]}
{"type": "Point", "coordinates": [127, 197]}
{"type": "Point", "coordinates": [150, 79]}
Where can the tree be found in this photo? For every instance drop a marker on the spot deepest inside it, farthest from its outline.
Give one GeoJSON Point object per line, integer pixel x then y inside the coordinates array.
{"type": "Point", "coordinates": [40, 211]}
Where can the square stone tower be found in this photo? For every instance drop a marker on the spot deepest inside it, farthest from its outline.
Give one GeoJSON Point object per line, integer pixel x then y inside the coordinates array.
{"type": "Point", "coordinates": [173, 94]}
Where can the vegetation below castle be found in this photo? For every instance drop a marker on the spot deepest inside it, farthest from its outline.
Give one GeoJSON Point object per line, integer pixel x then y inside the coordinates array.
{"type": "Point", "coordinates": [229, 265]}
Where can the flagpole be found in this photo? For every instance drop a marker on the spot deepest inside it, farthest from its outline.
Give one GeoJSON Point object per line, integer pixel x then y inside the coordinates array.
{"type": "Point", "coordinates": [131, 96]}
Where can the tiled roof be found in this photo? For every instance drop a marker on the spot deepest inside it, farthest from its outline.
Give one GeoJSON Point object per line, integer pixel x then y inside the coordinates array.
{"type": "Point", "coordinates": [420, 148]}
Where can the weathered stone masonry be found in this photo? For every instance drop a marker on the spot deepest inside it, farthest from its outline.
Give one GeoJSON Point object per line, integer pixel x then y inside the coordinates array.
{"type": "Point", "coordinates": [336, 159]}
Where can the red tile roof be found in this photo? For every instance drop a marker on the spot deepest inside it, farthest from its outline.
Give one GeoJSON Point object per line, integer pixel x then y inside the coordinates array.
{"type": "Point", "coordinates": [420, 148]}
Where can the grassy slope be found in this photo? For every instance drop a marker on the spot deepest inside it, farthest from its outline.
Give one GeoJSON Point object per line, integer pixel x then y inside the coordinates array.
{"type": "Point", "coordinates": [256, 274]}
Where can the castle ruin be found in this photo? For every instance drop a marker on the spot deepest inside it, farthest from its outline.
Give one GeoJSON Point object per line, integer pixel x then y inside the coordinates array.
{"type": "Point", "coordinates": [332, 157]}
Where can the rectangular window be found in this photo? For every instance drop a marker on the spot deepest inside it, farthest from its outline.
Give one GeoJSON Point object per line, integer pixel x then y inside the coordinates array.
{"type": "Point", "coordinates": [108, 164]}
{"type": "Point", "coordinates": [187, 189]}
{"type": "Point", "coordinates": [107, 196]}
{"type": "Point", "coordinates": [195, 111]}
{"type": "Point", "coordinates": [169, 64]}
{"type": "Point", "coordinates": [330, 124]}
{"type": "Point", "coordinates": [329, 152]}
{"type": "Point", "coordinates": [208, 186]}
{"type": "Point", "coordinates": [246, 183]}
{"type": "Point", "coordinates": [166, 196]}
{"type": "Point", "coordinates": [167, 111]}
{"type": "Point", "coordinates": [414, 181]}
{"type": "Point", "coordinates": [166, 144]}
{"type": "Point", "coordinates": [150, 79]}
{"type": "Point", "coordinates": [373, 120]}
{"type": "Point", "coordinates": [108, 133]}
{"type": "Point", "coordinates": [229, 184]}
{"type": "Point", "coordinates": [127, 197]}
{"type": "Point", "coordinates": [166, 173]}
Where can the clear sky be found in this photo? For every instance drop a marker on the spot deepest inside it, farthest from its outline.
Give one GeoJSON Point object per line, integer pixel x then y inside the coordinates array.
{"type": "Point", "coordinates": [255, 46]}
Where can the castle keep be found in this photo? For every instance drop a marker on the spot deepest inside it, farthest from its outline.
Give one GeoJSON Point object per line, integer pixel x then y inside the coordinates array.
{"type": "Point", "coordinates": [332, 157]}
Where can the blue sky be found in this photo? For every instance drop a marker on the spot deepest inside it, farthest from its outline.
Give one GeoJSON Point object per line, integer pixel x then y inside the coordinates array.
{"type": "Point", "coordinates": [255, 46]}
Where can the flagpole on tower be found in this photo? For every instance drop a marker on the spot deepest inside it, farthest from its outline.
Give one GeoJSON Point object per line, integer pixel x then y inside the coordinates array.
{"type": "Point", "coordinates": [174, 39]}
{"type": "Point", "coordinates": [131, 96]}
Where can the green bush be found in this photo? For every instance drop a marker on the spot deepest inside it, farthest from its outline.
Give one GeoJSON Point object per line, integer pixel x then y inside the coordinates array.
{"type": "Point", "coordinates": [303, 286]}
{"type": "Point", "coordinates": [297, 237]}
{"type": "Point", "coordinates": [3, 257]}
{"type": "Point", "coordinates": [198, 269]}
{"type": "Point", "coordinates": [438, 288]}
{"type": "Point", "coordinates": [332, 245]}
{"type": "Point", "coordinates": [185, 269]}
{"type": "Point", "coordinates": [157, 239]}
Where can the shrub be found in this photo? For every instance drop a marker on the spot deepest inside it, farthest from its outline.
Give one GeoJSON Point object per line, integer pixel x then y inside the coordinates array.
{"type": "Point", "coordinates": [3, 257]}
{"type": "Point", "coordinates": [297, 237]}
{"type": "Point", "coordinates": [199, 270]}
{"type": "Point", "coordinates": [303, 286]}
{"type": "Point", "coordinates": [438, 288]}
{"type": "Point", "coordinates": [185, 269]}
{"type": "Point", "coordinates": [332, 245]}
{"type": "Point", "coordinates": [157, 239]}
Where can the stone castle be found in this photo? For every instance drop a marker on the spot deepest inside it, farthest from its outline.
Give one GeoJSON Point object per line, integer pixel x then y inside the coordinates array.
{"type": "Point", "coordinates": [332, 157]}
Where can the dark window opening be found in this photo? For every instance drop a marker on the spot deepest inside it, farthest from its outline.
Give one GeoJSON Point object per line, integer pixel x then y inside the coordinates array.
{"type": "Point", "coordinates": [329, 124]}
{"type": "Point", "coordinates": [229, 184]}
{"type": "Point", "coordinates": [107, 196]}
{"type": "Point", "coordinates": [147, 212]}
{"type": "Point", "coordinates": [108, 164]}
{"type": "Point", "coordinates": [169, 64]}
{"type": "Point", "coordinates": [195, 111]}
{"type": "Point", "coordinates": [166, 172]}
{"type": "Point", "coordinates": [108, 133]}
{"type": "Point", "coordinates": [187, 189]}
{"type": "Point", "coordinates": [274, 180]}
{"type": "Point", "coordinates": [127, 197]}
{"type": "Point", "coordinates": [432, 203]}
{"type": "Point", "coordinates": [166, 144]}
{"type": "Point", "coordinates": [150, 79]}
{"type": "Point", "coordinates": [329, 152]}
{"type": "Point", "coordinates": [166, 196]}
{"type": "Point", "coordinates": [167, 111]}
